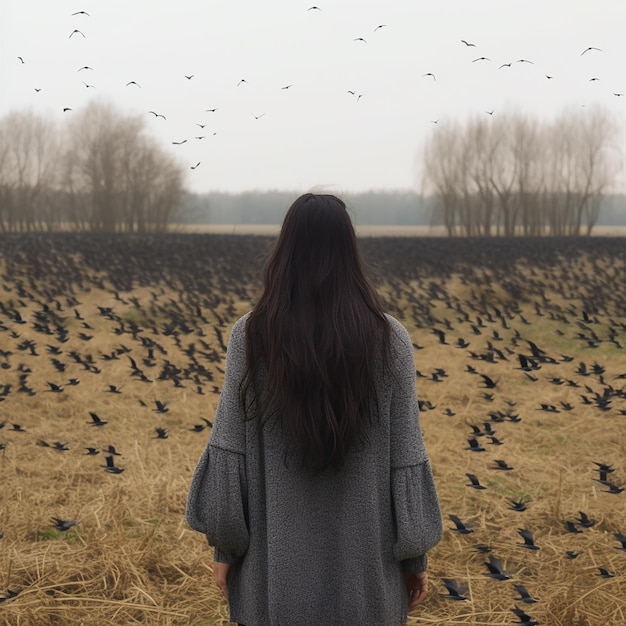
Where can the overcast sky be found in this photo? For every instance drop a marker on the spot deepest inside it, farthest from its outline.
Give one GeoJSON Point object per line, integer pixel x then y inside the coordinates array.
{"type": "Point", "coordinates": [314, 132]}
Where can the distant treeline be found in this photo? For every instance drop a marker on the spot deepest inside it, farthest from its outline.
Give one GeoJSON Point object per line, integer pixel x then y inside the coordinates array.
{"type": "Point", "coordinates": [384, 208]}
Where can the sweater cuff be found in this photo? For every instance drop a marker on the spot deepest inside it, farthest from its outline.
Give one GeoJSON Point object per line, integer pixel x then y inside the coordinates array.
{"type": "Point", "coordinates": [223, 557]}
{"type": "Point", "coordinates": [415, 565]}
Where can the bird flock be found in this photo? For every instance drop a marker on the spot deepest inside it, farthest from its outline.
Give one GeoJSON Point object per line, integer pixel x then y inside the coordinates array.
{"type": "Point", "coordinates": [207, 119]}
{"type": "Point", "coordinates": [519, 349]}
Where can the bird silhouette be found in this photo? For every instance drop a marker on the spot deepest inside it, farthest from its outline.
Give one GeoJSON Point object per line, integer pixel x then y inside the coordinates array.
{"type": "Point", "coordinates": [496, 569]}
{"type": "Point", "coordinates": [111, 467]}
{"type": "Point", "coordinates": [524, 595]}
{"type": "Point", "coordinates": [455, 591]}
{"type": "Point", "coordinates": [95, 420]}
{"type": "Point", "coordinates": [529, 541]}
{"type": "Point", "coordinates": [474, 482]}
{"type": "Point", "coordinates": [460, 527]}
{"type": "Point", "coordinates": [63, 525]}
{"type": "Point", "coordinates": [589, 49]}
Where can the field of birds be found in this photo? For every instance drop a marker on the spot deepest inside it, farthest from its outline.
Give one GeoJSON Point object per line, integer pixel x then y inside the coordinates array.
{"type": "Point", "coordinates": [112, 354]}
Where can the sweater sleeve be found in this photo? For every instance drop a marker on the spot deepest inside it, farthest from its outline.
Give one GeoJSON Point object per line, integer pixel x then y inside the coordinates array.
{"type": "Point", "coordinates": [217, 504]}
{"type": "Point", "coordinates": [416, 505]}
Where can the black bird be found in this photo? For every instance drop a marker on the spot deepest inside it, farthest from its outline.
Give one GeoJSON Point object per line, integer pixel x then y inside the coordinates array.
{"type": "Point", "coordinates": [54, 388]}
{"type": "Point", "coordinates": [474, 446]}
{"type": "Point", "coordinates": [584, 521]}
{"type": "Point", "coordinates": [441, 335]}
{"type": "Point", "coordinates": [604, 573]}
{"type": "Point", "coordinates": [527, 536]}
{"type": "Point", "coordinates": [622, 539]}
{"type": "Point", "coordinates": [161, 407]}
{"type": "Point", "coordinates": [92, 451]}
{"type": "Point", "coordinates": [612, 487]}
{"type": "Point", "coordinates": [588, 49]}
{"type": "Point", "coordinates": [502, 465]}
{"type": "Point", "coordinates": [524, 618]}
{"type": "Point", "coordinates": [114, 389]}
{"type": "Point", "coordinates": [571, 527]}
{"type": "Point", "coordinates": [496, 570]}
{"type": "Point", "coordinates": [489, 383]}
{"type": "Point", "coordinates": [518, 505]}
{"type": "Point", "coordinates": [112, 451]}
{"type": "Point", "coordinates": [455, 591]}
{"type": "Point", "coordinates": [76, 31]}
{"type": "Point", "coordinates": [572, 554]}
{"type": "Point", "coordinates": [62, 525]}
{"type": "Point", "coordinates": [524, 595]}
{"type": "Point", "coordinates": [460, 526]}
{"type": "Point", "coordinates": [111, 467]}
{"type": "Point", "coordinates": [161, 433]}
{"type": "Point", "coordinates": [468, 44]}
{"type": "Point", "coordinates": [95, 420]}
{"type": "Point", "coordinates": [474, 482]}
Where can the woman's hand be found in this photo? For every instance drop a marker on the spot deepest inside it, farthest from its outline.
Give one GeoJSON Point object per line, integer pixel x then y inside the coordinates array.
{"type": "Point", "coordinates": [221, 573]}
{"type": "Point", "coordinates": [417, 587]}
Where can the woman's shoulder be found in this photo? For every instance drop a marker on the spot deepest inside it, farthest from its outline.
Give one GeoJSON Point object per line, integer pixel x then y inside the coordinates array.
{"type": "Point", "coordinates": [398, 330]}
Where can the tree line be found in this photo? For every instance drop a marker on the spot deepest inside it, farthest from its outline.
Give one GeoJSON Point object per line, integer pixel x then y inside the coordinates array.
{"type": "Point", "coordinates": [513, 174]}
{"type": "Point", "coordinates": [99, 171]}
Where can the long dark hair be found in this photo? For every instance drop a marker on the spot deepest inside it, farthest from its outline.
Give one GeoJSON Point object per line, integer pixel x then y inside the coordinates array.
{"type": "Point", "coordinates": [315, 335]}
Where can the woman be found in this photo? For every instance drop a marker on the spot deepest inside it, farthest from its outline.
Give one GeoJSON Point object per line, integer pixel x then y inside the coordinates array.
{"type": "Point", "coordinates": [315, 488]}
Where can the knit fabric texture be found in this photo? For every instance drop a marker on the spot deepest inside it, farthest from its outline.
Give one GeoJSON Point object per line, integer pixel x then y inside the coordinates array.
{"type": "Point", "coordinates": [318, 549]}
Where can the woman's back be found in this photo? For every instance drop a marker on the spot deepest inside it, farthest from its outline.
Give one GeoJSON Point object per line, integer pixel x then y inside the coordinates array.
{"type": "Point", "coordinates": [325, 534]}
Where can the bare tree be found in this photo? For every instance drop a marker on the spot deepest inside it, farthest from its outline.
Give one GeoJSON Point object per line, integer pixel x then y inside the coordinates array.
{"type": "Point", "coordinates": [28, 170]}
{"type": "Point", "coordinates": [512, 172]}
{"type": "Point", "coordinates": [117, 177]}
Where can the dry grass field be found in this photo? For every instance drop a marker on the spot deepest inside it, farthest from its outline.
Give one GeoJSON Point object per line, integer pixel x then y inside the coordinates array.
{"type": "Point", "coordinates": [150, 315]}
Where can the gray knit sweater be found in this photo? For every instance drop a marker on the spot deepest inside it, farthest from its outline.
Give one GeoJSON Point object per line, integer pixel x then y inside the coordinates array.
{"type": "Point", "coordinates": [324, 550]}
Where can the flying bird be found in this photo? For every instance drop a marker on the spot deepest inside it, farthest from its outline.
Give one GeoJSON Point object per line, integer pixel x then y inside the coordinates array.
{"type": "Point", "coordinates": [62, 525]}
{"type": "Point", "coordinates": [588, 49]}
{"type": "Point", "coordinates": [189, 77]}
{"type": "Point", "coordinates": [360, 39]}
{"type": "Point", "coordinates": [193, 167]}
{"type": "Point", "coordinates": [524, 595]}
{"type": "Point", "coordinates": [380, 26]}
{"type": "Point", "coordinates": [529, 541]}
{"type": "Point", "coordinates": [76, 31]}
{"type": "Point", "coordinates": [474, 482]}
{"type": "Point", "coordinates": [21, 60]}
{"type": "Point", "coordinates": [455, 591]}
{"type": "Point", "coordinates": [430, 74]}
{"type": "Point", "coordinates": [81, 13]}
{"type": "Point", "coordinates": [157, 114]}
{"type": "Point", "coordinates": [132, 82]}
{"type": "Point", "coordinates": [460, 526]}
{"type": "Point", "coordinates": [111, 467]}
{"type": "Point", "coordinates": [243, 80]}
{"type": "Point", "coordinates": [314, 8]}
{"type": "Point", "coordinates": [481, 59]}
{"type": "Point", "coordinates": [468, 44]}
{"type": "Point", "coordinates": [496, 570]}
{"type": "Point", "coordinates": [96, 420]}
{"type": "Point", "coordinates": [179, 143]}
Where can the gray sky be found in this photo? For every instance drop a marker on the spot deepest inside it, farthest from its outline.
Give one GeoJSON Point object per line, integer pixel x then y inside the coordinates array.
{"type": "Point", "coordinates": [314, 133]}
